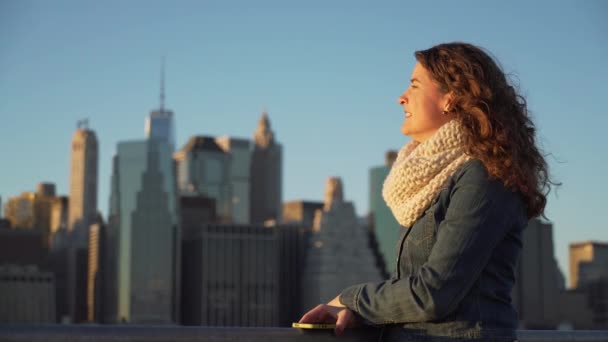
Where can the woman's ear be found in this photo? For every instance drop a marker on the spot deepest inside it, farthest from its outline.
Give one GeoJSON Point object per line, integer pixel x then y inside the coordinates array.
{"type": "Point", "coordinates": [446, 105]}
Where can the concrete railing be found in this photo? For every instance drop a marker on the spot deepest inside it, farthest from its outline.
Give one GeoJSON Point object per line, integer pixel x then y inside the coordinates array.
{"type": "Point", "coordinates": [130, 333]}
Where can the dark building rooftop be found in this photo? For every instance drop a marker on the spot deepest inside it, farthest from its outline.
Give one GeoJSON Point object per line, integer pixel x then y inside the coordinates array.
{"type": "Point", "coordinates": [205, 143]}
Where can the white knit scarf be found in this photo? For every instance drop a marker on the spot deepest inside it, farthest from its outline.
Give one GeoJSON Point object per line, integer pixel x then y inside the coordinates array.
{"type": "Point", "coordinates": [420, 171]}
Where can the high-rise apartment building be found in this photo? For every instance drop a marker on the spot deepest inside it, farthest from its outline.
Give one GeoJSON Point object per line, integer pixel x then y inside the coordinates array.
{"type": "Point", "coordinates": [266, 174]}
{"type": "Point", "coordinates": [142, 236]}
{"type": "Point", "coordinates": [83, 183]}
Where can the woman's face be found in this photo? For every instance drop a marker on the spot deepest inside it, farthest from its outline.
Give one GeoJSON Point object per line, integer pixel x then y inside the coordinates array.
{"type": "Point", "coordinates": [423, 103]}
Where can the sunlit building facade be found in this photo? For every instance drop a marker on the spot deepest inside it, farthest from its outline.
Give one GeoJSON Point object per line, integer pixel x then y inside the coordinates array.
{"type": "Point", "coordinates": [83, 183]}
{"type": "Point", "coordinates": [588, 261]}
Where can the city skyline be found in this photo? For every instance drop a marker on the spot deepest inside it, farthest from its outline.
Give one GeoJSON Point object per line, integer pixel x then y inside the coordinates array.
{"type": "Point", "coordinates": [330, 88]}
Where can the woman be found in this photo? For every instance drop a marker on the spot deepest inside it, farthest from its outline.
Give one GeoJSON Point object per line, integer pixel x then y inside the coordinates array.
{"type": "Point", "coordinates": [463, 190]}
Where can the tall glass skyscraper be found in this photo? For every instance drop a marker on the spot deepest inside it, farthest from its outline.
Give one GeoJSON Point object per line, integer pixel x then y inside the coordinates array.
{"type": "Point", "coordinates": [159, 125]}
{"type": "Point", "coordinates": [384, 223]}
{"type": "Point", "coordinates": [203, 168]}
{"type": "Point", "coordinates": [142, 235]}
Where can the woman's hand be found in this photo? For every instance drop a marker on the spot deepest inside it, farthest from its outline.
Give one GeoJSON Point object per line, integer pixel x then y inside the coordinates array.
{"type": "Point", "coordinates": [333, 313]}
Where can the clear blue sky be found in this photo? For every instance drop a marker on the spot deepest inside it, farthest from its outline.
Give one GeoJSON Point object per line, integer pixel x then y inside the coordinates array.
{"type": "Point", "coordinates": [329, 73]}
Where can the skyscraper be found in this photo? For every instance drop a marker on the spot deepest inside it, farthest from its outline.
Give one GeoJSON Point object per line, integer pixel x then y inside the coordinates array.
{"type": "Point", "coordinates": [142, 236]}
{"type": "Point", "coordinates": [159, 124]}
{"type": "Point", "coordinates": [203, 169]}
{"type": "Point", "coordinates": [266, 174]}
{"type": "Point", "coordinates": [83, 182]}
{"type": "Point", "coordinates": [95, 271]}
{"type": "Point", "coordinates": [385, 226]}
{"type": "Point", "coordinates": [239, 152]}
{"type": "Point", "coordinates": [339, 254]}
{"type": "Point", "coordinates": [538, 278]}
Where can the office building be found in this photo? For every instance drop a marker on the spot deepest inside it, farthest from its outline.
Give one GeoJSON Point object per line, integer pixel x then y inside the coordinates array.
{"type": "Point", "coordinates": [203, 169]}
{"type": "Point", "coordinates": [242, 275]}
{"type": "Point", "coordinates": [539, 280]}
{"type": "Point", "coordinates": [239, 152]}
{"type": "Point", "coordinates": [142, 236]}
{"type": "Point", "coordinates": [588, 261]}
{"type": "Point", "coordinates": [26, 295]}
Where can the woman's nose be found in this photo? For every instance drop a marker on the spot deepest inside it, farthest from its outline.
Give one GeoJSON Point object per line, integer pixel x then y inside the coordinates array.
{"type": "Point", "coordinates": [402, 100]}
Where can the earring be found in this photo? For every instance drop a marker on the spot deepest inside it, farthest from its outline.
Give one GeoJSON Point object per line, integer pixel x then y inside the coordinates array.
{"type": "Point", "coordinates": [445, 112]}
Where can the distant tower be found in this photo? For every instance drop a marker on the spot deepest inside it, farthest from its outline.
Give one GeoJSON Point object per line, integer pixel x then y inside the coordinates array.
{"type": "Point", "coordinates": [266, 174]}
{"type": "Point", "coordinates": [159, 124]}
{"type": "Point", "coordinates": [83, 181]}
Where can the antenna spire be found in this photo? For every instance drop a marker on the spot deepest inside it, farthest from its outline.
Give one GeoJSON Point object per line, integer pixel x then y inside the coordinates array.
{"type": "Point", "coordinates": [162, 85]}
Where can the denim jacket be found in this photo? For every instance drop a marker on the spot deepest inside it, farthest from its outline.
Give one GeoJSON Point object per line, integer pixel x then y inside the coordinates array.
{"type": "Point", "coordinates": [455, 266]}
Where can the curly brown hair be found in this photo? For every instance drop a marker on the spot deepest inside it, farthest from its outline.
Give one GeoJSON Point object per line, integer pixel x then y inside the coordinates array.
{"type": "Point", "coordinates": [498, 129]}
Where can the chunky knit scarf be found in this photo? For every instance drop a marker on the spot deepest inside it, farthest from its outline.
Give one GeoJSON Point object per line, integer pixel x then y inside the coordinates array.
{"type": "Point", "coordinates": [420, 171]}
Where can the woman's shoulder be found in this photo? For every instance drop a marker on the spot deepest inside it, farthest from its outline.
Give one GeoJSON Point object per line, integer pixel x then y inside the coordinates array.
{"type": "Point", "coordinates": [474, 175]}
{"type": "Point", "coordinates": [472, 171]}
